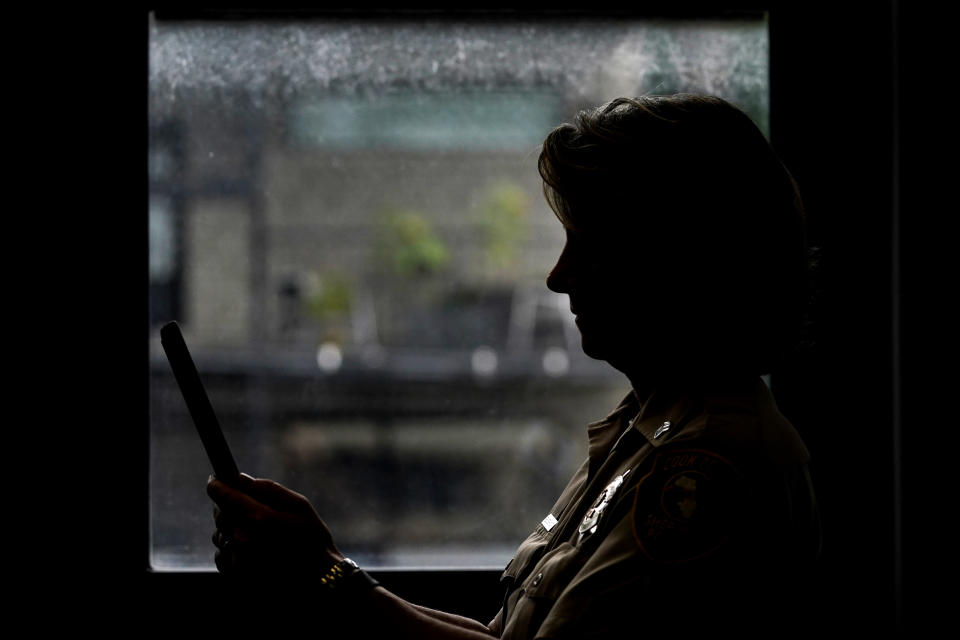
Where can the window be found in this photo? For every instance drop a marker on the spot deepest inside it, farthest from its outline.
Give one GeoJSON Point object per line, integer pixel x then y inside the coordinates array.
{"type": "Point", "coordinates": [346, 220]}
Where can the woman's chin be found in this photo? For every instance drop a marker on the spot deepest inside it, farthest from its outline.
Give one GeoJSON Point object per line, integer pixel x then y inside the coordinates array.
{"type": "Point", "coordinates": [596, 347]}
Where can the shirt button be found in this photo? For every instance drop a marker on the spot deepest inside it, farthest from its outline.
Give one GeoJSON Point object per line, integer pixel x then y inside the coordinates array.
{"type": "Point", "coordinates": [537, 580]}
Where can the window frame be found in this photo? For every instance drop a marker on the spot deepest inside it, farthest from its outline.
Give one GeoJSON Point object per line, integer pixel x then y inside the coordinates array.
{"type": "Point", "coordinates": [791, 104]}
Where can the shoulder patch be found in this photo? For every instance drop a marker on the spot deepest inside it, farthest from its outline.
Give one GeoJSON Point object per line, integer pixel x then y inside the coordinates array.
{"type": "Point", "coordinates": [686, 507]}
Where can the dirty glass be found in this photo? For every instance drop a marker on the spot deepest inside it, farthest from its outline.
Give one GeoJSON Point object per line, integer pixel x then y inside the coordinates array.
{"type": "Point", "coordinates": [346, 220]}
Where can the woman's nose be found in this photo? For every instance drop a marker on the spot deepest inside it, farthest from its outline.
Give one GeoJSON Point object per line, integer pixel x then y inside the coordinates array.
{"type": "Point", "coordinates": [558, 279]}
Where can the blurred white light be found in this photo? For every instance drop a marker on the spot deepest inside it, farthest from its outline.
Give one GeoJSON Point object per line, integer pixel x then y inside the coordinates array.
{"type": "Point", "coordinates": [556, 362]}
{"type": "Point", "coordinates": [329, 357]}
{"type": "Point", "coordinates": [484, 361]}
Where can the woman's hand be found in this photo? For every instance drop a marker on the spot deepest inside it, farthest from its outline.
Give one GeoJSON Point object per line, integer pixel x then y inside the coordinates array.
{"type": "Point", "coordinates": [263, 528]}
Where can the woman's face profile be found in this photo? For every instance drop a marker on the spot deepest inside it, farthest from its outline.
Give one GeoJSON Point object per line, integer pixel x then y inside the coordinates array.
{"type": "Point", "coordinates": [634, 307]}
{"type": "Point", "coordinates": [600, 274]}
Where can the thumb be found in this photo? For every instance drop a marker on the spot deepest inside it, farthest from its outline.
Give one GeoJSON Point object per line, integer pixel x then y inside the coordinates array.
{"type": "Point", "coordinates": [273, 494]}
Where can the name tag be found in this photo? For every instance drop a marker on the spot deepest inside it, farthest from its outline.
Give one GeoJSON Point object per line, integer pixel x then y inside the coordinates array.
{"type": "Point", "coordinates": [549, 522]}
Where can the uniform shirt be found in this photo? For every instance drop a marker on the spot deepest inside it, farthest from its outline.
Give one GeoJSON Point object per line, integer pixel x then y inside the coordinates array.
{"type": "Point", "coordinates": [691, 512]}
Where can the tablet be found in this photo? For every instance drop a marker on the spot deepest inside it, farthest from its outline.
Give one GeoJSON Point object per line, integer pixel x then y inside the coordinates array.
{"type": "Point", "coordinates": [211, 435]}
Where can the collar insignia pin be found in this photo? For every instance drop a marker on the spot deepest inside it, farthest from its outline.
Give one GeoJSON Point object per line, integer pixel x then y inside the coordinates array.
{"type": "Point", "coordinates": [662, 430]}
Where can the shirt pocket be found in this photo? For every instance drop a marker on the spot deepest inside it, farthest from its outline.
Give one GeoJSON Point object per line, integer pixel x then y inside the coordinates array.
{"type": "Point", "coordinates": [527, 554]}
{"type": "Point", "coordinates": [541, 588]}
{"type": "Point", "coordinates": [531, 549]}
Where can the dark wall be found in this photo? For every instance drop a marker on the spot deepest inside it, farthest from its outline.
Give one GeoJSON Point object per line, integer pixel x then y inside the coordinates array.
{"type": "Point", "coordinates": [832, 121]}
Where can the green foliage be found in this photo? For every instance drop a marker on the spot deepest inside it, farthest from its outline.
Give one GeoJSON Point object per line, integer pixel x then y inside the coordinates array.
{"type": "Point", "coordinates": [504, 215]}
{"type": "Point", "coordinates": [327, 296]}
{"type": "Point", "coordinates": [410, 245]}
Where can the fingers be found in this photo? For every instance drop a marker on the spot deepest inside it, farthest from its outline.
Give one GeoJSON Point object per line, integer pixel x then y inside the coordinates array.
{"type": "Point", "coordinates": [262, 525]}
{"type": "Point", "coordinates": [222, 558]}
{"type": "Point", "coordinates": [223, 561]}
{"type": "Point", "coordinates": [276, 495]}
{"type": "Point", "coordinates": [231, 547]}
{"type": "Point", "coordinates": [221, 540]}
{"type": "Point", "coordinates": [233, 501]}
{"type": "Point", "coordinates": [216, 487]}
{"type": "Point", "coordinates": [255, 490]}
{"type": "Point", "coordinates": [221, 520]}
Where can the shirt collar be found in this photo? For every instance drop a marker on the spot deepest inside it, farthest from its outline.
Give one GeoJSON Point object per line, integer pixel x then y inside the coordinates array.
{"type": "Point", "coordinates": [665, 412]}
{"type": "Point", "coordinates": [602, 434]}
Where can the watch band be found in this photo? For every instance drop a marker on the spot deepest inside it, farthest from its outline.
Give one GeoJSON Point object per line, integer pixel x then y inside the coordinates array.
{"type": "Point", "coordinates": [346, 577]}
{"type": "Point", "coordinates": [359, 581]}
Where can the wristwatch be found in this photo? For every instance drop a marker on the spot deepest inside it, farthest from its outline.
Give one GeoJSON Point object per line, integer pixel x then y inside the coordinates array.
{"type": "Point", "coordinates": [346, 577]}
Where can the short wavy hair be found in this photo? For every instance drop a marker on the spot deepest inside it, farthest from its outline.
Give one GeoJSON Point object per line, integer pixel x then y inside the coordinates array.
{"type": "Point", "coordinates": [696, 177]}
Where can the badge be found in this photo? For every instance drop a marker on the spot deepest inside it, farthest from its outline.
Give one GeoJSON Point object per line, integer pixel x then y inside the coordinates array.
{"type": "Point", "coordinates": [592, 519]}
{"type": "Point", "coordinates": [688, 505]}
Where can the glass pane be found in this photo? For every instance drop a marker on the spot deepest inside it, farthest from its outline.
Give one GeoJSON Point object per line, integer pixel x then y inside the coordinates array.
{"type": "Point", "coordinates": [359, 238]}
